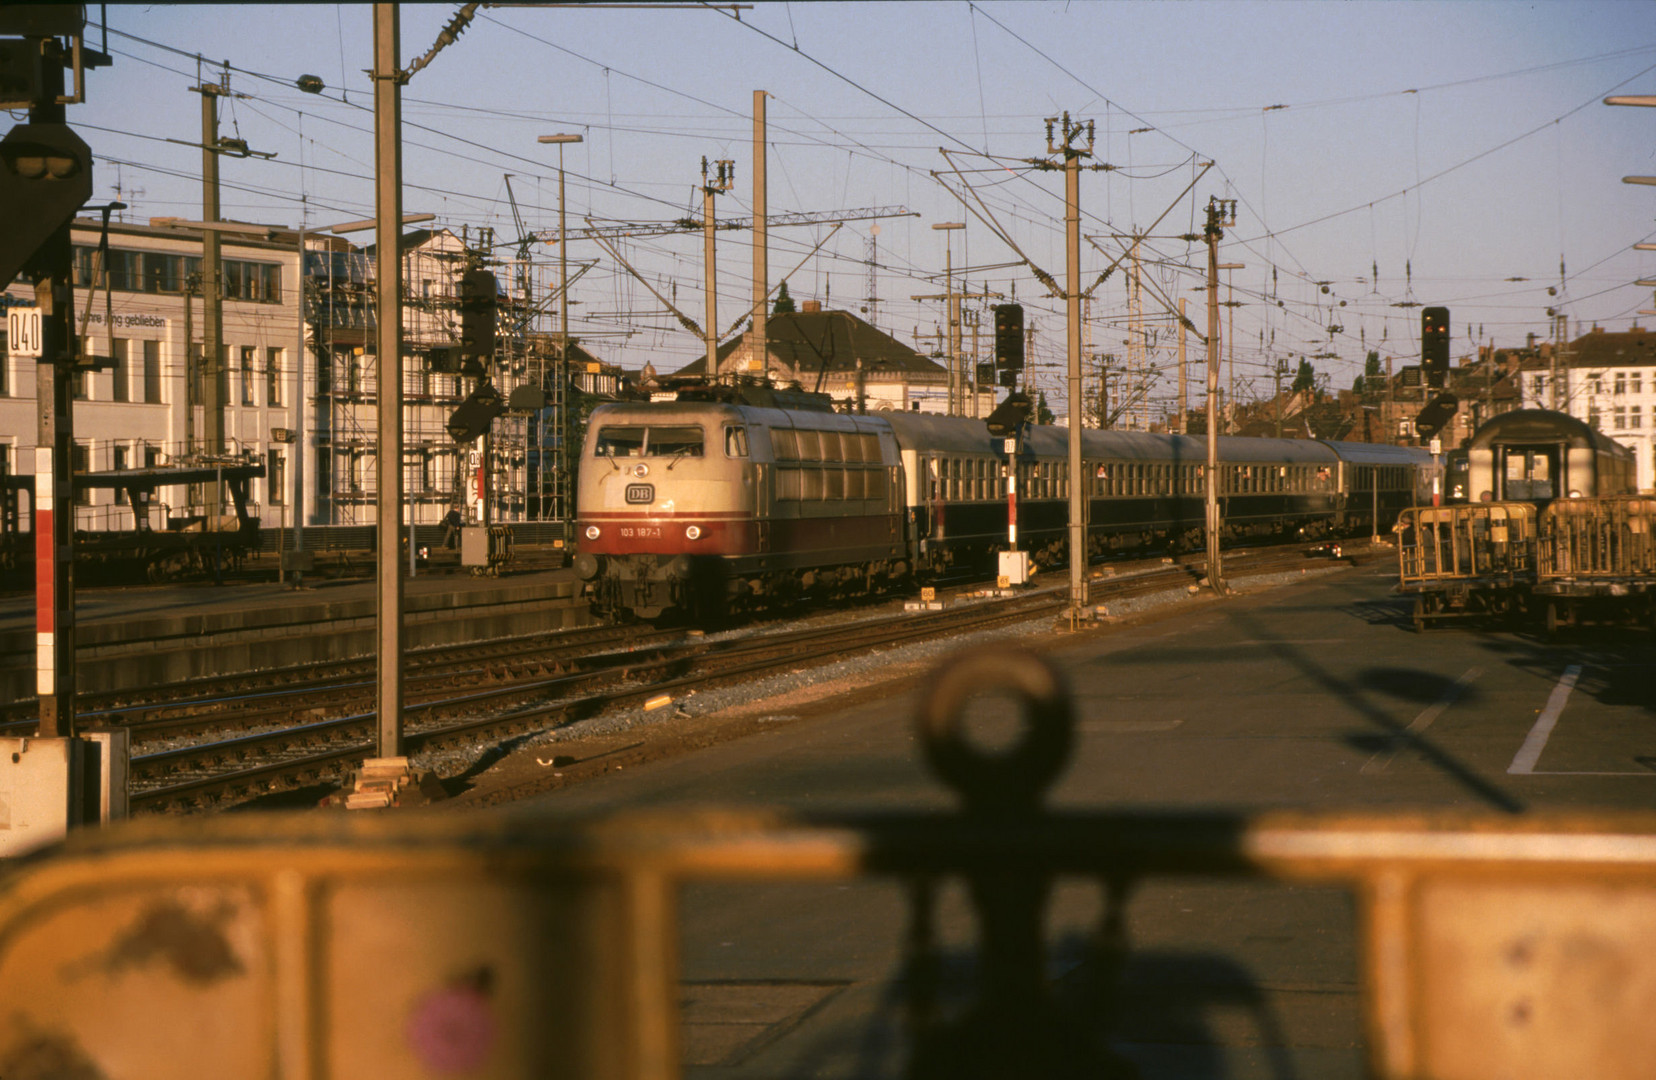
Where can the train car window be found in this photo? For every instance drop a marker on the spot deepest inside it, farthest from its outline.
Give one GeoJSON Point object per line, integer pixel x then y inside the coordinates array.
{"type": "Point", "coordinates": [676, 442]}
{"type": "Point", "coordinates": [832, 447]}
{"type": "Point", "coordinates": [833, 483]}
{"type": "Point", "coordinates": [810, 445]}
{"type": "Point", "coordinates": [619, 442]}
{"type": "Point", "coordinates": [785, 441]}
{"type": "Point", "coordinates": [871, 447]}
{"type": "Point", "coordinates": [811, 485]}
{"type": "Point", "coordinates": [788, 484]}
{"type": "Point", "coordinates": [736, 442]}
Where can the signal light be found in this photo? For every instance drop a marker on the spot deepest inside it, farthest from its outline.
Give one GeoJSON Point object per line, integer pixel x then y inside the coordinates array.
{"type": "Point", "coordinates": [479, 300]}
{"type": "Point", "coordinates": [1009, 337]}
{"type": "Point", "coordinates": [1434, 346]}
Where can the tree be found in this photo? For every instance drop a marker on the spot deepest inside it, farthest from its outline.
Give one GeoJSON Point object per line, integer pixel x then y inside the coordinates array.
{"type": "Point", "coordinates": [1305, 378]}
{"type": "Point", "coordinates": [1370, 381]}
{"type": "Point", "coordinates": [1043, 415]}
{"type": "Point", "coordinates": [784, 302]}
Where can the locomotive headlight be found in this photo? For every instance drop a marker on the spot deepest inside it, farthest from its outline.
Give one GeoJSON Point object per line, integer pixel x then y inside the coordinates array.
{"type": "Point", "coordinates": [592, 532]}
{"type": "Point", "coordinates": [1575, 494]}
{"type": "Point", "coordinates": [641, 470]}
{"type": "Point", "coordinates": [692, 532]}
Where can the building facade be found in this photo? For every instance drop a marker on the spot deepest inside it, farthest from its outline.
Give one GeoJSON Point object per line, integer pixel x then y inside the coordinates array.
{"type": "Point", "coordinates": [1607, 379]}
{"type": "Point", "coordinates": [146, 404]}
{"type": "Point", "coordinates": [297, 382]}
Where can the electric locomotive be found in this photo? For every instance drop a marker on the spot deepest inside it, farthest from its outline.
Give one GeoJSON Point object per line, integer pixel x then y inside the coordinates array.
{"type": "Point", "coordinates": [734, 498]}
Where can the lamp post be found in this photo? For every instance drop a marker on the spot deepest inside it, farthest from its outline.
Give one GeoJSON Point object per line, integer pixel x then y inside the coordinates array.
{"type": "Point", "coordinates": [952, 314]}
{"type": "Point", "coordinates": [563, 246]}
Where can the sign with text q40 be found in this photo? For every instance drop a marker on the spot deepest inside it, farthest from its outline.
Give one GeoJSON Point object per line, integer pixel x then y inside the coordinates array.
{"type": "Point", "coordinates": [23, 332]}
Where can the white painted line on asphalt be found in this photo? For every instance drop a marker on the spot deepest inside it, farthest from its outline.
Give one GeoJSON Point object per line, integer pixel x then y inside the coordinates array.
{"type": "Point", "coordinates": [1383, 758]}
{"type": "Point", "coordinates": [1530, 752]}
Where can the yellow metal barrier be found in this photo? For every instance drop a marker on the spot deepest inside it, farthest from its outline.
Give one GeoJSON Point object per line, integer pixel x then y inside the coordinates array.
{"type": "Point", "coordinates": [1598, 557]}
{"type": "Point", "coordinates": [288, 947]}
{"type": "Point", "coordinates": [1466, 559]}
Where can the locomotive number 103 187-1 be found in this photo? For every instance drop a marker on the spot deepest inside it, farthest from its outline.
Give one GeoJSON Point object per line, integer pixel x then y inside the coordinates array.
{"type": "Point", "coordinates": [641, 532]}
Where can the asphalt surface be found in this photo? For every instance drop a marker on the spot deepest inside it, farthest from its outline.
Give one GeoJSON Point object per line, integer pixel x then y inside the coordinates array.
{"type": "Point", "coordinates": [1317, 696]}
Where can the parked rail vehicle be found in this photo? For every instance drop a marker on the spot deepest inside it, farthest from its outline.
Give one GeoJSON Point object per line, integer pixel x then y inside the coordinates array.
{"type": "Point", "coordinates": [1467, 560]}
{"type": "Point", "coordinates": [1596, 560]}
{"type": "Point", "coordinates": [733, 498]}
{"type": "Point", "coordinates": [1536, 455]}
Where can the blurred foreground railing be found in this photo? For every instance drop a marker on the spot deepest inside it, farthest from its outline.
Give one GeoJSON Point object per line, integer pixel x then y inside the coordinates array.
{"type": "Point", "coordinates": [317, 946]}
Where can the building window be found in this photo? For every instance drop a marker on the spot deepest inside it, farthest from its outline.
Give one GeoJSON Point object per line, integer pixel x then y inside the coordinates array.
{"type": "Point", "coordinates": [152, 372]}
{"type": "Point", "coordinates": [1618, 417]}
{"type": "Point", "coordinates": [1621, 382]}
{"type": "Point", "coordinates": [249, 376]}
{"type": "Point", "coordinates": [122, 374]}
{"type": "Point", "coordinates": [273, 376]}
{"type": "Point", "coordinates": [1634, 419]}
{"type": "Point", "coordinates": [78, 385]}
{"type": "Point", "coordinates": [1596, 382]}
{"type": "Point", "coordinates": [80, 463]}
{"type": "Point", "coordinates": [275, 477]}
{"type": "Point", "coordinates": [119, 462]}
{"type": "Point", "coordinates": [1593, 416]}
{"type": "Point", "coordinates": [1635, 383]}
{"type": "Point", "coordinates": [1538, 386]}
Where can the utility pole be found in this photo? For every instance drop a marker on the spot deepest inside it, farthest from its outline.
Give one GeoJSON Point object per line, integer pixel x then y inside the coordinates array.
{"type": "Point", "coordinates": [1220, 212]}
{"type": "Point", "coordinates": [1066, 145]}
{"type": "Point", "coordinates": [1280, 370]}
{"type": "Point", "coordinates": [1184, 385]}
{"type": "Point", "coordinates": [388, 80]}
{"type": "Point", "coordinates": [1230, 340]}
{"type": "Point", "coordinates": [53, 506]}
{"type": "Point", "coordinates": [760, 342]}
{"type": "Point", "coordinates": [724, 180]}
{"type": "Point", "coordinates": [212, 276]}
{"type": "Point", "coordinates": [951, 312]}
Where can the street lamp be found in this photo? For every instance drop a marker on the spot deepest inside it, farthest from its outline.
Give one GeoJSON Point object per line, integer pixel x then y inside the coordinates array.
{"type": "Point", "coordinates": [563, 247]}
{"type": "Point", "coordinates": [952, 314]}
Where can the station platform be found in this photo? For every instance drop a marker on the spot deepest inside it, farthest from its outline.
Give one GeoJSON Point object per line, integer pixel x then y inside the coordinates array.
{"type": "Point", "coordinates": [146, 634]}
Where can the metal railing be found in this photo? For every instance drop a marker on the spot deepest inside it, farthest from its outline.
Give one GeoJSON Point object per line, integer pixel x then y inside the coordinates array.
{"type": "Point", "coordinates": [1613, 537]}
{"type": "Point", "coordinates": [1466, 541]}
{"type": "Point", "coordinates": [323, 946]}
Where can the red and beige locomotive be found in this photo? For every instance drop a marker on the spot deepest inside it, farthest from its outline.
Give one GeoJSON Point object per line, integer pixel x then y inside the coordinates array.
{"type": "Point", "coordinates": [742, 497]}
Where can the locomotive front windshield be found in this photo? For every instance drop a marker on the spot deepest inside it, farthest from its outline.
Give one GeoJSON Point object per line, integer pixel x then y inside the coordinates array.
{"type": "Point", "coordinates": [650, 441]}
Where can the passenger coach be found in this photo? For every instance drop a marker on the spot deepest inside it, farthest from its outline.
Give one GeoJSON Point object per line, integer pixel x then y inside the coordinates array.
{"type": "Point", "coordinates": [750, 496]}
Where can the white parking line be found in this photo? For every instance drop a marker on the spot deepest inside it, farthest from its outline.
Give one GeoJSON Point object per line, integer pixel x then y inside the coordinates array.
{"type": "Point", "coordinates": [1530, 753]}
{"type": "Point", "coordinates": [1383, 758]}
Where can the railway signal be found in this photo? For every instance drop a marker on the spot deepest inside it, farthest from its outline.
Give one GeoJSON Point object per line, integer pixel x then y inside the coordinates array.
{"type": "Point", "coordinates": [1009, 341]}
{"type": "Point", "coordinates": [1436, 414]}
{"type": "Point", "coordinates": [1434, 346]}
{"type": "Point", "coordinates": [45, 177]}
{"type": "Point", "coordinates": [479, 306]}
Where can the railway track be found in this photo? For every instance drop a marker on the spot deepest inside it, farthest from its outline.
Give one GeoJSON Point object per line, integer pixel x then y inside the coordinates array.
{"type": "Point", "coordinates": [301, 754]}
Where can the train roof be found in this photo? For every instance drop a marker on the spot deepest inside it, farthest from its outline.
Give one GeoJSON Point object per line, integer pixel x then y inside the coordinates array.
{"type": "Point", "coordinates": [1379, 453]}
{"type": "Point", "coordinates": [1544, 426]}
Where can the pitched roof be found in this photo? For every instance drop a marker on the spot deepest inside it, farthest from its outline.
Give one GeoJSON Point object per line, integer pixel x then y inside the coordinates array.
{"type": "Point", "coordinates": [1604, 349]}
{"type": "Point", "coordinates": [828, 341]}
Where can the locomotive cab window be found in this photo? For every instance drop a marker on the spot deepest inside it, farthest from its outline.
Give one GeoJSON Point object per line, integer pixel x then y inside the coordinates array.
{"type": "Point", "coordinates": [620, 442]}
{"type": "Point", "coordinates": [675, 442]}
{"type": "Point", "coordinates": [736, 444]}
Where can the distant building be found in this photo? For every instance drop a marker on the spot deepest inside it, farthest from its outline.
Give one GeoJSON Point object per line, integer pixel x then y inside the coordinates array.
{"type": "Point", "coordinates": [836, 353]}
{"type": "Point", "coordinates": [1607, 379]}
{"type": "Point", "coordinates": [147, 406]}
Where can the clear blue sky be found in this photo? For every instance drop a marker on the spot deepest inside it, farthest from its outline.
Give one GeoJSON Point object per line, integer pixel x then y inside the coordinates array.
{"type": "Point", "coordinates": [1399, 152]}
